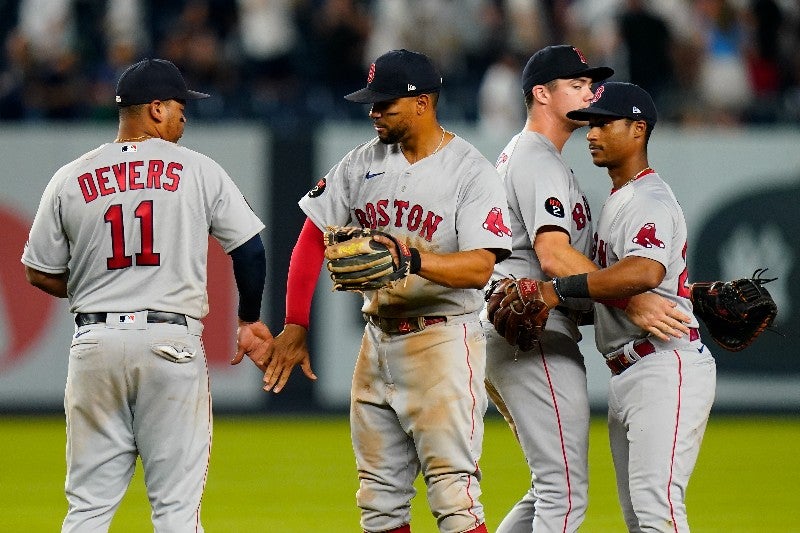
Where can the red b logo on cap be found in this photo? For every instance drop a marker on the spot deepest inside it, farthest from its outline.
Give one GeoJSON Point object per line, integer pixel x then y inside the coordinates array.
{"type": "Point", "coordinates": [371, 74]}
{"type": "Point", "coordinates": [598, 93]}
{"type": "Point", "coordinates": [580, 55]}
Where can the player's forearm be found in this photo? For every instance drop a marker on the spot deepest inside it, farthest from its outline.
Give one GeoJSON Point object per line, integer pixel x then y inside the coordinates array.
{"type": "Point", "coordinates": [53, 284]}
{"type": "Point", "coordinates": [249, 270]}
{"type": "Point", "coordinates": [631, 276]}
{"type": "Point", "coordinates": [565, 261]}
{"type": "Point", "coordinates": [556, 255]}
{"type": "Point", "coordinates": [461, 270]}
{"type": "Point", "coordinates": [304, 269]}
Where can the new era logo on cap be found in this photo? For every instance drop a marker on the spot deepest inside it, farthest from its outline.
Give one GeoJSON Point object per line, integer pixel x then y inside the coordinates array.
{"type": "Point", "coordinates": [398, 74]}
{"type": "Point", "coordinates": [636, 110]}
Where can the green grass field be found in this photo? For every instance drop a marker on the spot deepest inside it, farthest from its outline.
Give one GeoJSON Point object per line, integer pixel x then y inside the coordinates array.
{"type": "Point", "coordinates": [297, 475]}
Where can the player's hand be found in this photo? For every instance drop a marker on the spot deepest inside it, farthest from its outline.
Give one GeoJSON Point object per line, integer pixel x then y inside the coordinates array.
{"type": "Point", "coordinates": [254, 340]}
{"type": "Point", "coordinates": [658, 316]}
{"type": "Point", "coordinates": [289, 349]}
{"type": "Point", "coordinates": [390, 244]}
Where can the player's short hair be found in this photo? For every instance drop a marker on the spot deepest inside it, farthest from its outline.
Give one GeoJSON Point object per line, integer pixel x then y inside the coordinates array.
{"type": "Point", "coordinates": [551, 85]}
{"type": "Point", "coordinates": [131, 110]}
{"type": "Point", "coordinates": [647, 132]}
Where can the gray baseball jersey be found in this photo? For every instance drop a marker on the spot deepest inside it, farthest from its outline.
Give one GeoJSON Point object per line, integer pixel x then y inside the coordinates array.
{"type": "Point", "coordinates": [139, 216]}
{"type": "Point", "coordinates": [417, 399]}
{"type": "Point", "coordinates": [543, 392]}
{"type": "Point", "coordinates": [542, 191]}
{"type": "Point", "coordinates": [444, 203]}
{"type": "Point", "coordinates": [659, 406]}
{"type": "Point", "coordinates": [641, 219]}
{"type": "Point", "coordinates": [130, 221]}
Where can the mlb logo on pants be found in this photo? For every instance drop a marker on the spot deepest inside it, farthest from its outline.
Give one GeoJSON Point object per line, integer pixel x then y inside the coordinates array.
{"type": "Point", "coordinates": [127, 319]}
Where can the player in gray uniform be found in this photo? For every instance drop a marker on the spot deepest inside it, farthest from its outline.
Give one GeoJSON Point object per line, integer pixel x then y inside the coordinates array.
{"type": "Point", "coordinates": [418, 399]}
{"type": "Point", "coordinates": [122, 232]}
{"type": "Point", "coordinates": [542, 393]}
{"type": "Point", "coordinates": [661, 392]}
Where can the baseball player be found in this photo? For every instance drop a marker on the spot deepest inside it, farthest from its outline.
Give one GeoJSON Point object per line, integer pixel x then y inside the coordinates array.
{"type": "Point", "coordinates": [122, 232]}
{"type": "Point", "coordinates": [417, 400]}
{"type": "Point", "coordinates": [542, 393]}
{"type": "Point", "coordinates": [661, 392]}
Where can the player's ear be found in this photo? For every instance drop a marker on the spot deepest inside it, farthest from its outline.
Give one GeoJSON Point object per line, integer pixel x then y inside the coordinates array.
{"type": "Point", "coordinates": [156, 110]}
{"type": "Point", "coordinates": [540, 93]}
{"type": "Point", "coordinates": [639, 128]}
{"type": "Point", "coordinates": [423, 102]}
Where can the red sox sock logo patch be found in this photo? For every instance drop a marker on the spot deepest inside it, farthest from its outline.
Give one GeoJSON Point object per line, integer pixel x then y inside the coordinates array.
{"type": "Point", "coordinates": [494, 223]}
{"type": "Point", "coordinates": [647, 236]}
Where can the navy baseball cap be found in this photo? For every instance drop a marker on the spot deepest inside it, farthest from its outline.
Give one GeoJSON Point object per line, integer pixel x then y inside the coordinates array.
{"type": "Point", "coordinates": [153, 79]}
{"type": "Point", "coordinates": [398, 74]}
{"type": "Point", "coordinates": [560, 61]}
{"type": "Point", "coordinates": [619, 100]}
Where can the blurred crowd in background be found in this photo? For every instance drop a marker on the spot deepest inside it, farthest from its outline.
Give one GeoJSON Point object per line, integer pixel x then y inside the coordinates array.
{"type": "Point", "coordinates": [289, 62]}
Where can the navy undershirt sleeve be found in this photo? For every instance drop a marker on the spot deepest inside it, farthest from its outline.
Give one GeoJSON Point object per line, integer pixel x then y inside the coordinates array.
{"type": "Point", "coordinates": [250, 271]}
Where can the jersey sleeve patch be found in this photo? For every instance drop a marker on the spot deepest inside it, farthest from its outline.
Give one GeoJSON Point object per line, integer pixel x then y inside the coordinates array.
{"type": "Point", "coordinates": [554, 206]}
{"type": "Point", "coordinates": [318, 189]}
{"type": "Point", "coordinates": [494, 223]}
{"type": "Point", "coordinates": [646, 237]}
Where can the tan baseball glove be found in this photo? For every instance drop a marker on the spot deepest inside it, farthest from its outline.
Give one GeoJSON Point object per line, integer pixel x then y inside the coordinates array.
{"type": "Point", "coordinates": [359, 263]}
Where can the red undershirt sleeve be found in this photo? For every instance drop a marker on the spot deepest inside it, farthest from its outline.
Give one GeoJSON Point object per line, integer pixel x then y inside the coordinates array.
{"type": "Point", "coordinates": [304, 269]}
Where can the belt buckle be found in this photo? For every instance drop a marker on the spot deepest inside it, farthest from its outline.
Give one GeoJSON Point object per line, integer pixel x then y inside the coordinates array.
{"type": "Point", "coordinates": [410, 324]}
{"type": "Point", "coordinates": [631, 355]}
{"type": "Point", "coordinates": [404, 326]}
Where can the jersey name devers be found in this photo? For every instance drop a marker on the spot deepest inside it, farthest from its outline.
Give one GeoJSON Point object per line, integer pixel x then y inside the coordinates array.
{"type": "Point", "coordinates": [401, 214]}
{"type": "Point", "coordinates": [130, 176]}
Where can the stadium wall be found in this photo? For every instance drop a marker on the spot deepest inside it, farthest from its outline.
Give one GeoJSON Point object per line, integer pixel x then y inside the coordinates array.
{"type": "Point", "coordinates": [739, 189]}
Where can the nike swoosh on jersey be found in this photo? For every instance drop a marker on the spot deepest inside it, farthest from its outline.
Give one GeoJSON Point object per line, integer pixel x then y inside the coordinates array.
{"type": "Point", "coordinates": [368, 176]}
{"type": "Point", "coordinates": [79, 333]}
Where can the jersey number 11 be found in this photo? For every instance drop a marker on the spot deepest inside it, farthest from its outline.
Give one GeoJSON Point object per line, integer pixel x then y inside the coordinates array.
{"type": "Point", "coordinates": [146, 257]}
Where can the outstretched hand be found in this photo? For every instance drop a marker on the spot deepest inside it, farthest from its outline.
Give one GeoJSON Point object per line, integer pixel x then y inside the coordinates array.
{"type": "Point", "coordinates": [289, 349]}
{"type": "Point", "coordinates": [254, 340]}
{"type": "Point", "coordinates": [658, 316]}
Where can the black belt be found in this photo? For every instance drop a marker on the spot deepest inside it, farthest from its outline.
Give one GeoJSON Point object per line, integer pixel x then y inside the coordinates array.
{"type": "Point", "coordinates": [618, 361]}
{"type": "Point", "coordinates": [404, 325]}
{"type": "Point", "coordinates": [153, 317]}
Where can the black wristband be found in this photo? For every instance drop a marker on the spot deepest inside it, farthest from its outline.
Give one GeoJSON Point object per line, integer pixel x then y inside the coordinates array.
{"type": "Point", "coordinates": [415, 261]}
{"type": "Point", "coordinates": [561, 297]}
{"type": "Point", "coordinates": [576, 286]}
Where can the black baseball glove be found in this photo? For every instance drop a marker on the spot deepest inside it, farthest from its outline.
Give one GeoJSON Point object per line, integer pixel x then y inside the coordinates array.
{"type": "Point", "coordinates": [735, 312]}
{"type": "Point", "coordinates": [359, 263]}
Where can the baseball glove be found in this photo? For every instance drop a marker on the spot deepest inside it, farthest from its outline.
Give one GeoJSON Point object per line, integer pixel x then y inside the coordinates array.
{"type": "Point", "coordinates": [735, 312]}
{"type": "Point", "coordinates": [517, 311]}
{"type": "Point", "coordinates": [359, 263]}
